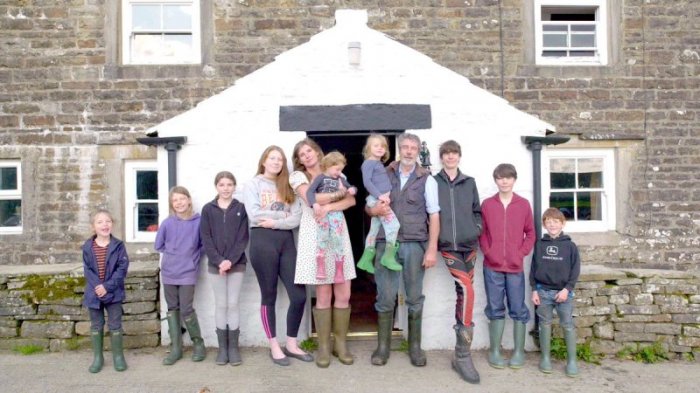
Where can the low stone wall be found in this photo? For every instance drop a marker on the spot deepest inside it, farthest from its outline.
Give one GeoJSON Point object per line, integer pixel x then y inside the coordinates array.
{"type": "Point", "coordinates": [616, 308]}
{"type": "Point", "coordinates": [41, 305]}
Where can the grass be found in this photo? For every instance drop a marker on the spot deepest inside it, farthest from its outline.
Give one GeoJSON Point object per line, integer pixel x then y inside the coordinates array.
{"type": "Point", "coordinates": [583, 351]}
{"type": "Point", "coordinates": [403, 346]}
{"type": "Point", "coordinates": [308, 345]}
{"type": "Point", "coordinates": [649, 354]}
{"type": "Point", "coordinates": [28, 349]}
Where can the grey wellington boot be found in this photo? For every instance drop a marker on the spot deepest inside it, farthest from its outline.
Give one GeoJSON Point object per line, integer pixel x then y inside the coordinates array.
{"type": "Point", "coordinates": [517, 359]}
{"type": "Point", "coordinates": [234, 355]}
{"type": "Point", "coordinates": [222, 338]}
{"type": "Point", "coordinates": [462, 362]}
{"type": "Point", "coordinates": [570, 339]}
{"type": "Point", "coordinates": [385, 325]}
{"type": "Point", "coordinates": [495, 335]}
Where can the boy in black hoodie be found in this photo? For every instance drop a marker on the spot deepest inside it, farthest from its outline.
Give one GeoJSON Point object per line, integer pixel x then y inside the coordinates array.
{"type": "Point", "coordinates": [553, 275]}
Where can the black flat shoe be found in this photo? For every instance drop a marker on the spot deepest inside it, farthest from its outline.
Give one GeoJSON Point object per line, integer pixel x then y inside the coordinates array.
{"type": "Point", "coordinates": [280, 362]}
{"type": "Point", "coordinates": [305, 357]}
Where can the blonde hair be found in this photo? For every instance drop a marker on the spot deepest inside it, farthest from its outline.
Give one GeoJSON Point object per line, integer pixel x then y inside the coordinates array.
{"type": "Point", "coordinates": [182, 191]}
{"type": "Point", "coordinates": [333, 158]}
{"type": "Point", "coordinates": [367, 150]}
{"type": "Point", "coordinates": [284, 190]}
{"type": "Point", "coordinates": [96, 213]}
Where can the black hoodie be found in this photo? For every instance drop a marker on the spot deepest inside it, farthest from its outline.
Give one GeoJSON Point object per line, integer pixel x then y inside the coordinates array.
{"type": "Point", "coordinates": [460, 213]}
{"type": "Point", "coordinates": [224, 234]}
{"type": "Point", "coordinates": [555, 263]}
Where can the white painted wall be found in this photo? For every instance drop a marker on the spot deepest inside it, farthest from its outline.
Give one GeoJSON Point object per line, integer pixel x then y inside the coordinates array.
{"type": "Point", "coordinates": [230, 130]}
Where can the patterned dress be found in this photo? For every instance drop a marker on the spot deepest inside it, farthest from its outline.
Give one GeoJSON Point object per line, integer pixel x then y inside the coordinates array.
{"type": "Point", "coordinates": [307, 244]}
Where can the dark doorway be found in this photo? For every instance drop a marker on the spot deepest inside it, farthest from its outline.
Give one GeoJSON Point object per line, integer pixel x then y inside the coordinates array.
{"type": "Point", "coordinates": [363, 317]}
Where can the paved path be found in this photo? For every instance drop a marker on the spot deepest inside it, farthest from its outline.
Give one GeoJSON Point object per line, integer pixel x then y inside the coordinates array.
{"type": "Point", "coordinates": [67, 372]}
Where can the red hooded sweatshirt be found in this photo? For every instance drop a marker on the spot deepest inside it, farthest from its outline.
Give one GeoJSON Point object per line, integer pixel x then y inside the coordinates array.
{"type": "Point", "coordinates": [508, 234]}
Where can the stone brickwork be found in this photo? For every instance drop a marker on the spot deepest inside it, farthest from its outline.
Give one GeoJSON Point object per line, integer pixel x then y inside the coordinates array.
{"type": "Point", "coordinates": [618, 308]}
{"type": "Point", "coordinates": [41, 305]}
{"type": "Point", "coordinates": [63, 88]}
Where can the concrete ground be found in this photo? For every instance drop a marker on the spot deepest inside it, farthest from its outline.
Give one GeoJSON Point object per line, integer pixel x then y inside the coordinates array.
{"type": "Point", "coordinates": [67, 372]}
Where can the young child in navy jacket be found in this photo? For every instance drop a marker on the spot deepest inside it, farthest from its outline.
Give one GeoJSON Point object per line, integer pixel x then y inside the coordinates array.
{"type": "Point", "coordinates": [105, 264]}
{"type": "Point", "coordinates": [553, 275]}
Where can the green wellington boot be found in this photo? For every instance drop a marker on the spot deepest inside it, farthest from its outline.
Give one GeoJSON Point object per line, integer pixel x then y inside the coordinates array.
{"type": "Point", "coordinates": [175, 331]}
{"type": "Point", "coordinates": [341, 322]}
{"type": "Point", "coordinates": [495, 335]}
{"type": "Point", "coordinates": [385, 325]}
{"type": "Point", "coordinates": [517, 359]}
{"type": "Point", "coordinates": [97, 339]}
{"type": "Point", "coordinates": [570, 339]}
{"type": "Point", "coordinates": [117, 341]}
{"type": "Point", "coordinates": [366, 261]}
{"type": "Point", "coordinates": [199, 351]}
{"type": "Point", "coordinates": [417, 355]}
{"type": "Point", "coordinates": [389, 258]}
{"type": "Point", "coordinates": [322, 318]}
{"type": "Point", "coordinates": [545, 348]}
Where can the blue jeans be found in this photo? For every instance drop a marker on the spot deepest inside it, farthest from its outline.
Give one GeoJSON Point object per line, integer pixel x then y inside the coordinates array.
{"type": "Point", "coordinates": [114, 317]}
{"type": "Point", "coordinates": [501, 287]}
{"type": "Point", "coordinates": [548, 304]}
{"type": "Point", "coordinates": [410, 256]}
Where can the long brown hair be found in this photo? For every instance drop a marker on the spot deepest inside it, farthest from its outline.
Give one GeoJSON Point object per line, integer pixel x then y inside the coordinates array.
{"type": "Point", "coordinates": [284, 190]}
{"type": "Point", "coordinates": [182, 191]}
{"type": "Point", "coordinates": [298, 166]}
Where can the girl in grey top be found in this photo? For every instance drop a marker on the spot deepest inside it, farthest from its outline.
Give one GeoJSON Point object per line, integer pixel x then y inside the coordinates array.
{"type": "Point", "coordinates": [376, 181]}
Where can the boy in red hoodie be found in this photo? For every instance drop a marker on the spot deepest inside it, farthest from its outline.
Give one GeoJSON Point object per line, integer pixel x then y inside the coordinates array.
{"type": "Point", "coordinates": [508, 235]}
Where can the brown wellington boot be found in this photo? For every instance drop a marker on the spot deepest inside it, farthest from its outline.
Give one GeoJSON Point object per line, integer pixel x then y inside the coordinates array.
{"type": "Point", "coordinates": [341, 321]}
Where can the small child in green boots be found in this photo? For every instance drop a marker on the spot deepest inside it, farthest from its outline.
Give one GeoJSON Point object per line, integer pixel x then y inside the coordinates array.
{"type": "Point", "coordinates": [376, 181]}
{"type": "Point", "coordinates": [553, 275]}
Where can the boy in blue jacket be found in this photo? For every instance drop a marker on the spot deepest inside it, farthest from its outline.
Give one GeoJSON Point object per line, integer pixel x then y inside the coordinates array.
{"type": "Point", "coordinates": [553, 275]}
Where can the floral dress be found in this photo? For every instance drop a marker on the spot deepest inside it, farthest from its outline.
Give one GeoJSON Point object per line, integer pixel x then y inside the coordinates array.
{"type": "Point", "coordinates": [308, 244]}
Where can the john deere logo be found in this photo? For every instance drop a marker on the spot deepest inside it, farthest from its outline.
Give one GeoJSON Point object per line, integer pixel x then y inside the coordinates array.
{"type": "Point", "coordinates": [552, 250]}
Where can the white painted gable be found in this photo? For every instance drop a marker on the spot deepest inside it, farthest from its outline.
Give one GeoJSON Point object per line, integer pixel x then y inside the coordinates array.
{"type": "Point", "coordinates": [230, 130]}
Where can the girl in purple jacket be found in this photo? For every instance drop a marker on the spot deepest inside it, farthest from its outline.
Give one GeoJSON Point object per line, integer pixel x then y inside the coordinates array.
{"type": "Point", "coordinates": [179, 241]}
{"type": "Point", "coordinates": [105, 264]}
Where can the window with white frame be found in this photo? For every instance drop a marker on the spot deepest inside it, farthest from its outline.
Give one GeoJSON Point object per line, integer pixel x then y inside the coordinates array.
{"type": "Point", "coordinates": [581, 184]}
{"type": "Point", "coordinates": [10, 196]}
{"type": "Point", "coordinates": [161, 32]}
{"type": "Point", "coordinates": [141, 200]}
{"type": "Point", "coordinates": [571, 32]}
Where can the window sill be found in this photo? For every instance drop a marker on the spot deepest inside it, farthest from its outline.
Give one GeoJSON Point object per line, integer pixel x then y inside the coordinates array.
{"type": "Point", "coordinates": [595, 239]}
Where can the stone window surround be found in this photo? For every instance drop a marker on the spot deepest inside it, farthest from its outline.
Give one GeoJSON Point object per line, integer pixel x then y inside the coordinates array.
{"type": "Point", "coordinates": [614, 44]}
{"type": "Point", "coordinates": [115, 69]}
{"type": "Point", "coordinates": [625, 155]}
{"type": "Point", "coordinates": [130, 200]}
{"type": "Point", "coordinates": [12, 194]}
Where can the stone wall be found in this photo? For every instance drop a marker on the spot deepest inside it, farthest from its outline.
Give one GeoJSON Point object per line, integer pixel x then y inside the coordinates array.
{"type": "Point", "coordinates": [616, 308]}
{"type": "Point", "coordinates": [41, 305]}
{"type": "Point", "coordinates": [62, 86]}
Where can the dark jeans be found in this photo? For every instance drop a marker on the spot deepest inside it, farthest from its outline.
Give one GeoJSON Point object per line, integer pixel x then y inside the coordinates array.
{"type": "Point", "coordinates": [114, 317]}
{"type": "Point", "coordinates": [179, 297]}
{"type": "Point", "coordinates": [410, 256]}
{"type": "Point", "coordinates": [501, 287]}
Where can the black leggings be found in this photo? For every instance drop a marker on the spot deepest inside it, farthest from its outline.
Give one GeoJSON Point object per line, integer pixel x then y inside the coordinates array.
{"type": "Point", "coordinates": [273, 254]}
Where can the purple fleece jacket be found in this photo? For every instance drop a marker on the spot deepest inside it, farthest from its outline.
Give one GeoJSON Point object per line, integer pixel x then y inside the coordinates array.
{"type": "Point", "coordinates": [180, 243]}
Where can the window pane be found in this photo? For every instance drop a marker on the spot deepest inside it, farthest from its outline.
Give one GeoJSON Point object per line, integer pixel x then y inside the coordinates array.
{"type": "Point", "coordinates": [562, 173]}
{"type": "Point", "coordinates": [11, 213]}
{"type": "Point", "coordinates": [177, 46]}
{"type": "Point", "coordinates": [582, 27]}
{"type": "Point", "coordinates": [582, 40]}
{"type": "Point", "coordinates": [146, 46]}
{"type": "Point", "coordinates": [8, 178]}
{"type": "Point", "coordinates": [582, 53]}
{"type": "Point", "coordinates": [554, 53]}
{"type": "Point", "coordinates": [177, 17]}
{"type": "Point", "coordinates": [145, 17]}
{"type": "Point", "coordinates": [589, 206]}
{"type": "Point", "coordinates": [590, 173]}
{"type": "Point", "coordinates": [147, 216]}
{"type": "Point", "coordinates": [562, 28]}
{"type": "Point", "coordinates": [147, 185]}
{"type": "Point", "coordinates": [553, 40]}
{"type": "Point", "coordinates": [564, 201]}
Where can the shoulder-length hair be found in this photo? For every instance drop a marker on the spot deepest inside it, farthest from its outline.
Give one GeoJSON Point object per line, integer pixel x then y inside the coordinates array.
{"type": "Point", "coordinates": [298, 166]}
{"type": "Point", "coordinates": [182, 191]}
